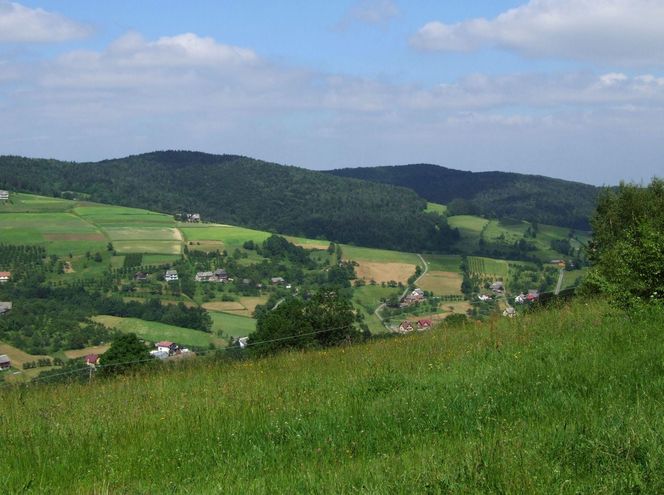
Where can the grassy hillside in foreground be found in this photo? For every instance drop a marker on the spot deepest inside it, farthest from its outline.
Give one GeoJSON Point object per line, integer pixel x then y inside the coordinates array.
{"type": "Point", "coordinates": [564, 401]}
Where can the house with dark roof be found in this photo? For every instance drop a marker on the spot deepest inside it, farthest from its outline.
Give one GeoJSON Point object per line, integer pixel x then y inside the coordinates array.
{"type": "Point", "coordinates": [204, 276]}
{"type": "Point", "coordinates": [92, 360]}
{"type": "Point", "coordinates": [140, 277]}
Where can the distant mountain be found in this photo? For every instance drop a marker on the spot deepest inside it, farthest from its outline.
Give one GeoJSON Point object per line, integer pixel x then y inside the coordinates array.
{"type": "Point", "coordinates": [243, 191]}
{"type": "Point", "coordinates": [493, 194]}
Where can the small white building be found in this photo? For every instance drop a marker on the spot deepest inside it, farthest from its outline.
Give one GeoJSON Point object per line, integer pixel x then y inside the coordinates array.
{"type": "Point", "coordinates": [4, 195]}
{"type": "Point", "coordinates": [5, 276]}
{"type": "Point", "coordinates": [5, 362]}
{"type": "Point", "coordinates": [171, 275]}
{"type": "Point", "coordinates": [242, 342]}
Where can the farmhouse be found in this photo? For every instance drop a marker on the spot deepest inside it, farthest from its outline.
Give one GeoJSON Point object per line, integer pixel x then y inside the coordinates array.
{"type": "Point", "coordinates": [424, 324]}
{"type": "Point", "coordinates": [92, 360]}
{"type": "Point", "coordinates": [5, 362]}
{"type": "Point", "coordinates": [5, 307]}
{"type": "Point", "coordinates": [193, 217]}
{"type": "Point", "coordinates": [277, 280]}
{"type": "Point", "coordinates": [5, 276]}
{"type": "Point", "coordinates": [413, 298]}
{"type": "Point", "coordinates": [242, 342]}
{"type": "Point", "coordinates": [4, 195]}
{"type": "Point", "coordinates": [159, 354]}
{"type": "Point", "coordinates": [533, 295]}
{"type": "Point", "coordinates": [140, 277]}
{"type": "Point", "coordinates": [497, 287]}
{"type": "Point", "coordinates": [166, 346]}
{"type": "Point", "coordinates": [406, 326]}
{"type": "Point", "coordinates": [221, 275]}
{"type": "Point", "coordinates": [204, 276]}
{"type": "Point", "coordinates": [171, 275]}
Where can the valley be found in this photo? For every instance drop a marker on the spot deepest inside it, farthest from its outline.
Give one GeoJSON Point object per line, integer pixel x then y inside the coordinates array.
{"type": "Point", "coordinates": [105, 248]}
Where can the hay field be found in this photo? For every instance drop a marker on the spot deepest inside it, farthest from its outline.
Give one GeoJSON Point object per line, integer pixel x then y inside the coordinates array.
{"type": "Point", "coordinates": [442, 283]}
{"type": "Point", "coordinates": [384, 272]}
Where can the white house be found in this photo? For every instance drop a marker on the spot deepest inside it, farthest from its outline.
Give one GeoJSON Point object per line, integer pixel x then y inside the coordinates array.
{"type": "Point", "coordinates": [204, 276]}
{"type": "Point", "coordinates": [5, 362]}
{"type": "Point", "coordinates": [166, 346]}
{"type": "Point", "coordinates": [171, 275]}
{"type": "Point", "coordinates": [484, 297]}
{"type": "Point", "coordinates": [4, 195]}
{"type": "Point", "coordinates": [5, 276]}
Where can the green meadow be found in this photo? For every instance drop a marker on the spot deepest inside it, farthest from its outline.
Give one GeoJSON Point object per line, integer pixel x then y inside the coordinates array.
{"type": "Point", "coordinates": [153, 331]}
{"type": "Point", "coordinates": [231, 236]}
{"type": "Point", "coordinates": [437, 208]}
{"type": "Point", "coordinates": [443, 262]}
{"type": "Point", "coordinates": [230, 325]}
{"type": "Point", "coordinates": [565, 401]}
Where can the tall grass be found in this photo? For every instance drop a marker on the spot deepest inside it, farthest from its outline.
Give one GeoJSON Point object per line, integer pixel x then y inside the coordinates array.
{"type": "Point", "coordinates": [565, 401]}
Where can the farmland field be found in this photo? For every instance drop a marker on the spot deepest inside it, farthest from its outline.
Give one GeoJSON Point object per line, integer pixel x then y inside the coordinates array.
{"type": "Point", "coordinates": [151, 247]}
{"type": "Point", "coordinates": [232, 325]}
{"type": "Point", "coordinates": [356, 253]}
{"type": "Point", "coordinates": [244, 307]}
{"type": "Point", "coordinates": [488, 266]}
{"type": "Point", "coordinates": [442, 283]}
{"type": "Point", "coordinates": [384, 272]}
{"type": "Point", "coordinates": [79, 353]}
{"type": "Point", "coordinates": [28, 203]}
{"type": "Point", "coordinates": [437, 208]}
{"type": "Point", "coordinates": [153, 331]}
{"type": "Point", "coordinates": [444, 262]}
{"type": "Point", "coordinates": [467, 224]}
{"type": "Point", "coordinates": [231, 237]}
{"type": "Point", "coordinates": [120, 215]}
{"type": "Point", "coordinates": [143, 233]}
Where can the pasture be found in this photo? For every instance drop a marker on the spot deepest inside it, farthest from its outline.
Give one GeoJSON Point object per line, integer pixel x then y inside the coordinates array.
{"type": "Point", "coordinates": [230, 236]}
{"type": "Point", "coordinates": [356, 253]}
{"type": "Point", "coordinates": [441, 283]}
{"type": "Point", "coordinates": [244, 307]}
{"type": "Point", "coordinates": [443, 262]}
{"type": "Point", "coordinates": [231, 325]}
{"type": "Point", "coordinates": [153, 331]}
{"type": "Point", "coordinates": [29, 203]}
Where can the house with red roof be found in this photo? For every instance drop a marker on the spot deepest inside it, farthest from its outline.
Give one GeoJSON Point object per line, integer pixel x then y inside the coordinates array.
{"type": "Point", "coordinates": [424, 324]}
{"type": "Point", "coordinates": [5, 276]}
{"type": "Point", "coordinates": [167, 346]}
{"type": "Point", "coordinates": [92, 360]}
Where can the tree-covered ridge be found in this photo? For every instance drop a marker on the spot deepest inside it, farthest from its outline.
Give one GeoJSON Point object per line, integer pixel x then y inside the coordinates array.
{"type": "Point", "coordinates": [494, 194]}
{"type": "Point", "coordinates": [243, 191]}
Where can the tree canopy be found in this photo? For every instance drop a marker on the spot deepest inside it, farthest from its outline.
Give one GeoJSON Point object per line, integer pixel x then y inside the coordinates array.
{"type": "Point", "coordinates": [627, 248]}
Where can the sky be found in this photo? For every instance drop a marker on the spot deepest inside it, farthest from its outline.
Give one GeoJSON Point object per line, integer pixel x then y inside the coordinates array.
{"type": "Point", "coordinates": [565, 88]}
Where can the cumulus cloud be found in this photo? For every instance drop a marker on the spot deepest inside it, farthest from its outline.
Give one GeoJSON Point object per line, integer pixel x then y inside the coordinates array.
{"type": "Point", "coordinates": [374, 12]}
{"type": "Point", "coordinates": [193, 92]}
{"type": "Point", "coordinates": [613, 31]}
{"type": "Point", "coordinates": [20, 24]}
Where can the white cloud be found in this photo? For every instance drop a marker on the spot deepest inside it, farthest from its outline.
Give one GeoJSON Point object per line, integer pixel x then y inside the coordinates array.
{"type": "Point", "coordinates": [20, 24]}
{"type": "Point", "coordinates": [192, 92]}
{"type": "Point", "coordinates": [614, 31]}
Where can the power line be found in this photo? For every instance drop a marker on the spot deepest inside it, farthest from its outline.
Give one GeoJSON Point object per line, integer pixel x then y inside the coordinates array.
{"type": "Point", "coordinates": [201, 353]}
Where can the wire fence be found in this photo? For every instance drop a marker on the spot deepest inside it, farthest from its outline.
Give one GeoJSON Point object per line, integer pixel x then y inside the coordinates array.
{"type": "Point", "coordinates": [91, 370]}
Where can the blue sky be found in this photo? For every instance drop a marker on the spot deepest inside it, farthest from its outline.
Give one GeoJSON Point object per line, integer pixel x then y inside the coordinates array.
{"type": "Point", "coordinates": [565, 88]}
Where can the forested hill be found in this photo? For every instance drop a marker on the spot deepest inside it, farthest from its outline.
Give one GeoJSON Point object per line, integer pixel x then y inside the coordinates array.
{"type": "Point", "coordinates": [494, 194]}
{"type": "Point", "coordinates": [244, 191]}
